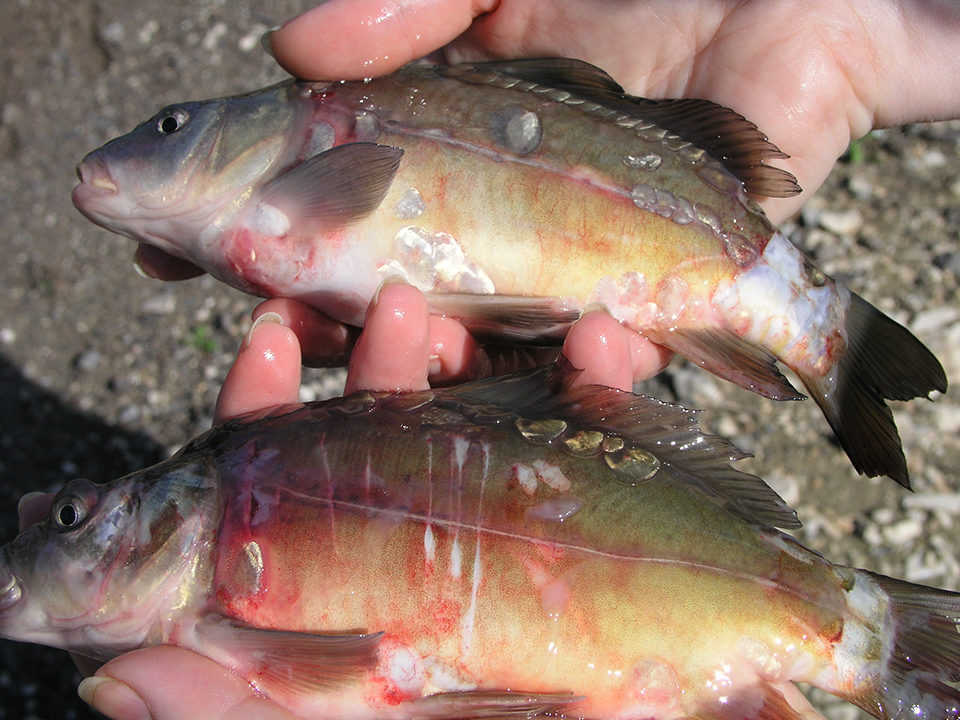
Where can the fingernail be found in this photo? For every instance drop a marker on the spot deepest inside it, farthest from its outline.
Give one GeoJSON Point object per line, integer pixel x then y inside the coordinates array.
{"type": "Point", "coordinates": [595, 307]}
{"type": "Point", "coordinates": [138, 268]}
{"type": "Point", "coordinates": [113, 698]}
{"type": "Point", "coordinates": [265, 41]}
{"type": "Point", "coordinates": [267, 317]}
{"type": "Point", "coordinates": [26, 499]}
{"type": "Point", "coordinates": [389, 280]}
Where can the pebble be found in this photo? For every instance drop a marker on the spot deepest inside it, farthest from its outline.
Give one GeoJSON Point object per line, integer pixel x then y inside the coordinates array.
{"type": "Point", "coordinates": [841, 222]}
{"type": "Point", "coordinates": [163, 304]}
{"type": "Point", "coordinates": [89, 360]}
{"type": "Point", "coordinates": [905, 531]}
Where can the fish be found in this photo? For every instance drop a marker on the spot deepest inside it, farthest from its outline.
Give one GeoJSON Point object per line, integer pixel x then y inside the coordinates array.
{"type": "Point", "coordinates": [515, 194]}
{"type": "Point", "coordinates": [503, 548]}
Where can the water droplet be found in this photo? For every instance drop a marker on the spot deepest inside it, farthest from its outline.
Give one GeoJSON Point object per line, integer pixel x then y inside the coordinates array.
{"type": "Point", "coordinates": [632, 465]}
{"type": "Point", "coordinates": [650, 161]}
{"type": "Point", "coordinates": [517, 129]}
{"type": "Point", "coordinates": [584, 443]}
{"type": "Point", "coordinates": [556, 510]}
{"type": "Point", "coordinates": [541, 432]}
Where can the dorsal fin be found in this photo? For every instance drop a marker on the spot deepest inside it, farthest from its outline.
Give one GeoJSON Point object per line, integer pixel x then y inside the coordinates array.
{"type": "Point", "coordinates": [726, 135]}
{"type": "Point", "coordinates": [669, 432]}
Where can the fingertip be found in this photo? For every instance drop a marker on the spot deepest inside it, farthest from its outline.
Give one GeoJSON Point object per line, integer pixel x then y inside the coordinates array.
{"type": "Point", "coordinates": [597, 345]}
{"type": "Point", "coordinates": [341, 40]}
{"type": "Point", "coordinates": [266, 372]}
{"type": "Point", "coordinates": [647, 357]}
{"type": "Point", "coordinates": [393, 350]}
{"type": "Point", "coordinates": [455, 356]}
{"type": "Point", "coordinates": [324, 342]}
{"type": "Point", "coordinates": [113, 698]}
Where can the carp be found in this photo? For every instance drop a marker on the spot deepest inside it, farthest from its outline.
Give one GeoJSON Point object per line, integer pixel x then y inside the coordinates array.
{"type": "Point", "coordinates": [498, 549]}
{"type": "Point", "coordinates": [515, 194]}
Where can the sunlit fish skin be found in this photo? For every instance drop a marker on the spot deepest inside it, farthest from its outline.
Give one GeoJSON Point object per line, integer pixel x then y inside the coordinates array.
{"type": "Point", "coordinates": [514, 194]}
{"type": "Point", "coordinates": [419, 555]}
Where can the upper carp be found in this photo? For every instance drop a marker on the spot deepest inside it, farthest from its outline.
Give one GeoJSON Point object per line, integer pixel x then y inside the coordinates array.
{"type": "Point", "coordinates": [493, 550]}
{"type": "Point", "coordinates": [514, 194]}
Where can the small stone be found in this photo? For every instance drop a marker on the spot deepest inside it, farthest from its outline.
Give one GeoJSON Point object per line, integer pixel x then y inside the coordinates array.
{"type": "Point", "coordinates": [89, 360]}
{"type": "Point", "coordinates": [841, 222]}
{"type": "Point", "coordinates": [162, 304]}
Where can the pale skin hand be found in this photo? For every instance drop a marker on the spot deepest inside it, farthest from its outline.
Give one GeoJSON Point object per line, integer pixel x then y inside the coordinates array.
{"type": "Point", "coordinates": [813, 75]}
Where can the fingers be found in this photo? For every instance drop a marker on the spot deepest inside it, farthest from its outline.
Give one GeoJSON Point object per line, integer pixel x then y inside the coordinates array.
{"type": "Point", "coordinates": [32, 508]}
{"type": "Point", "coordinates": [169, 683]}
{"type": "Point", "coordinates": [266, 372]}
{"type": "Point", "coordinates": [609, 354]}
{"type": "Point", "coordinates": [159, 265]}
{"type": "Point", "coordinates": [393, 351]}
{"type": "Point", "coordinates": [323, 342]}
{"type": "Point", "coordinates": [366, 38]}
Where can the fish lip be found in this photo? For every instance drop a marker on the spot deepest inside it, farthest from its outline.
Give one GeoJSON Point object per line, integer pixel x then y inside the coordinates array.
{"type": "Point", "coordinates": [10, 592]}
{"type": "Point", "coordinates": [95, 177]}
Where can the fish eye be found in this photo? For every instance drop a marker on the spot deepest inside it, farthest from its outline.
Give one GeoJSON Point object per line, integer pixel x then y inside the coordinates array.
{"type": "Point", "coordinates": [171, 120]}
{"type": "Point", "coordinates": [73, 504]}
{"type": "Point", "coordinates": [68, 512]}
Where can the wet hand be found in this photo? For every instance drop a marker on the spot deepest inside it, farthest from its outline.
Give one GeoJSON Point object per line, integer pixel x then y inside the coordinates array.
{"type": "Point", "coordinates": [403, 347]}
{"type": "Point", "coordinates": [170, 683]}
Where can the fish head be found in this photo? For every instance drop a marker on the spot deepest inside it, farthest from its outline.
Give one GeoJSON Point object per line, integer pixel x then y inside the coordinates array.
{"type": "Point", "coordinates": [184, 172]}
{"type": "Point", "coordinates": [102, 572]}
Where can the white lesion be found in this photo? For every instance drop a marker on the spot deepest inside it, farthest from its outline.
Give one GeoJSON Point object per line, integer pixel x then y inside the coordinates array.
{"type": "Point", "coordinates": [434, 262]}
{"type": "Point", "coordinates": [550, 474]}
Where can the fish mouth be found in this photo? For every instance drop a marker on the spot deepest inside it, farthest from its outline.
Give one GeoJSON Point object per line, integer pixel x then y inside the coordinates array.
{"type": "Point", "coordinates": [10, 591]}
{"type": "Point", "coordinates": [95, 186]}
{"type": "Point", "coordinates": [93, 173]}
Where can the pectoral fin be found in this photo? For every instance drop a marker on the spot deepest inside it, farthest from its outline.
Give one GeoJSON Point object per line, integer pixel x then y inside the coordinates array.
{"type": "Point", "coordinates": [513, 318]}
{"type": "Point", "coordinates": [333, 188]}
{"type": "Point", "coordinates": [489, 704]}
{"type": "Point", "coordinates": [281, 663]}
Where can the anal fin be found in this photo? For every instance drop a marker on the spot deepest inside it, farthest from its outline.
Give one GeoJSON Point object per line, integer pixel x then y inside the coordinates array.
{"type": "Point", "coordinates": [763, 701]}
{"type": "Point", "coordinates": [732, 358]}
{"type": "Point", "coordinates": [514, 318]}
{"type": "Point", "coordinates": [490, 704]}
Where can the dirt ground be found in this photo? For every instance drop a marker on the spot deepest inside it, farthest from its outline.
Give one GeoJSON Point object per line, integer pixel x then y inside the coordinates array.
{"type": "Point", "coordinates": [103, 371]}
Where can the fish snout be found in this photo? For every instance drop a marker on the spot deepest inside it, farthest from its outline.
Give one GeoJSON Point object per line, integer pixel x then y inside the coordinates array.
{"type": "Point", "coordinates": [94, 176]}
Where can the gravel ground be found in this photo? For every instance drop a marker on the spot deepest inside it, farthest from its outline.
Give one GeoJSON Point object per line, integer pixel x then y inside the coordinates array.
{"type": "Point", "coordinates": [103, 372]}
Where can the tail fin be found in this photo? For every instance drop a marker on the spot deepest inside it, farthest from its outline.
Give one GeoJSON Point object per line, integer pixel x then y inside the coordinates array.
{"type": "Point", "coordinates": [883, 360]}
{"type": "Point", "coordinates": [925, 655]}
